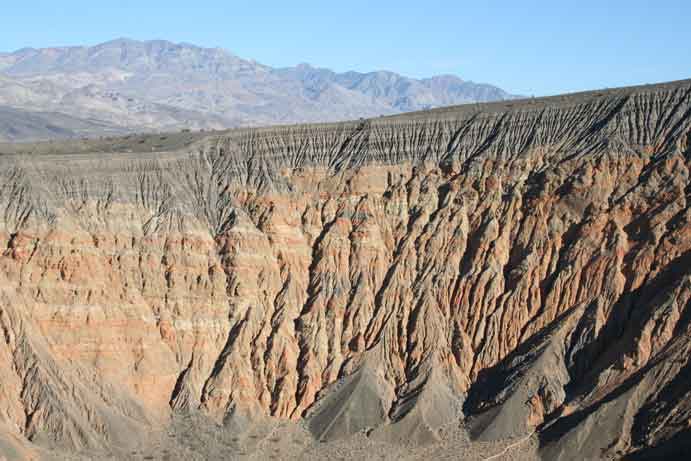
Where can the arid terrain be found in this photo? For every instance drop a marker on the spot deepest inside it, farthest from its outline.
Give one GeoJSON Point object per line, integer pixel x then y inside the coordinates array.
{"type": "Point", "coordinates": [124, 86]}
{"type": "Point", "coordinates": [506, 281]}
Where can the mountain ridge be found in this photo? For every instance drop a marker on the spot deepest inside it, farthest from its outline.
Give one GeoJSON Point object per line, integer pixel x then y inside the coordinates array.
{"type": "Point", "coordinates": [160, 85]}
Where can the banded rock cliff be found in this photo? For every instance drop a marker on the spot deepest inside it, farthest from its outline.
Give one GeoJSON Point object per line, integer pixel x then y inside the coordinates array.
{"type": "Point", "coordinates": [518, 269]}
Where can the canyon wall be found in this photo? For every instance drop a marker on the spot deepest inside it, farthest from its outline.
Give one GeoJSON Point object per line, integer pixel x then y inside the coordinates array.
{"type": "Point", "coordinates": [524, 267]}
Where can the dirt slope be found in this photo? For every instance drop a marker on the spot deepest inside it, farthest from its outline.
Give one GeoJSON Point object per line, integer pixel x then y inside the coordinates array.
{"type": "Point", "coordinates": [502, 280]}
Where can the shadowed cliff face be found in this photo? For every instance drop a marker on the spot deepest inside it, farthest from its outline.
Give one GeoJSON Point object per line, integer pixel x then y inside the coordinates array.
{"type": "Point", "coordinates": [522, 268]}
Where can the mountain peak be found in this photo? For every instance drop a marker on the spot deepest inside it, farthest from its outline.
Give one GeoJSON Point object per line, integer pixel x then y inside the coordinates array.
{"type": "Point", "coordinates": [120, 41]}
{"type": "Point", "coordinates": [160, 84]}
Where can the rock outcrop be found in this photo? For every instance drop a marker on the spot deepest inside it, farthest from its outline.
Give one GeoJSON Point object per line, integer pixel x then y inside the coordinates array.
{"type": "Point", "coordinates": [520, 267]}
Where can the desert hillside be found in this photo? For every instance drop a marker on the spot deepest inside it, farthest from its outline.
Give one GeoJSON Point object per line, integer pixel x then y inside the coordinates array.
{"type": "Point", "coordinates": [125, 86]}
{"type": "Point", "coordinates": [508, 280]}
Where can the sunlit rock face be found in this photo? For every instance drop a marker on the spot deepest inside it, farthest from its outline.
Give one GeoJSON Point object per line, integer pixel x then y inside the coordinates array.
{"type": "Point", "coordinates": [520, 267]}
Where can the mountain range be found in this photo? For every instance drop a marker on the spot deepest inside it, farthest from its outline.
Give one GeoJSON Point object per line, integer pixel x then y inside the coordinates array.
{"type": "Point", "coordinates": [127, 85]}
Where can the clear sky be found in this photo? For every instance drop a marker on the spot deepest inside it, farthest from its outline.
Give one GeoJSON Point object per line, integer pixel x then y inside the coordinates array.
{"type": "Point", "coordinates": [526, 47]}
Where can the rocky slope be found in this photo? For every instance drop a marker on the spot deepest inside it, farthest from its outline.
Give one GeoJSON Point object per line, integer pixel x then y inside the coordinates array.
{"type": "Point", "coordinates": [516, 272]}
{"type": "Point", "coordinates": [18, 125]}
{"type": "Point", "coordinates": [154, 85]}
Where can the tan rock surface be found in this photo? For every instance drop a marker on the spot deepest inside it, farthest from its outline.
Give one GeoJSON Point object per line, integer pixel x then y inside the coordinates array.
{"type": "Point", "coordinates": [362, 279]}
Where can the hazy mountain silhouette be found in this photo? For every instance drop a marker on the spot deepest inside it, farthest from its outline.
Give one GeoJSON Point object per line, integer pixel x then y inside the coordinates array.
{"type": "Point", "coordinates": [159, 85]}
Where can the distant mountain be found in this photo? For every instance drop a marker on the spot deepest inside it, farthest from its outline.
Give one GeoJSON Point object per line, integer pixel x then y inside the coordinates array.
{"type": "Point", "coordinates": [159, 85]}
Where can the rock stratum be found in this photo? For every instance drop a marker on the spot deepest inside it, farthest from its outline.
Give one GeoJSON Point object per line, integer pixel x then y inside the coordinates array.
{"type": "Point", "coordinates": [516, 273]}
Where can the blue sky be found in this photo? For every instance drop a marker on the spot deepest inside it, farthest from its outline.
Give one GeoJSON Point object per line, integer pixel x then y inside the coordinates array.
{"type": "Point", "coordinates": [526, 47]}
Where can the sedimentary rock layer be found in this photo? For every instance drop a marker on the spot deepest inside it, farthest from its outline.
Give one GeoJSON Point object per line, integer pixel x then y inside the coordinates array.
{"type": "Point", "coordinates": [524, 266]}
